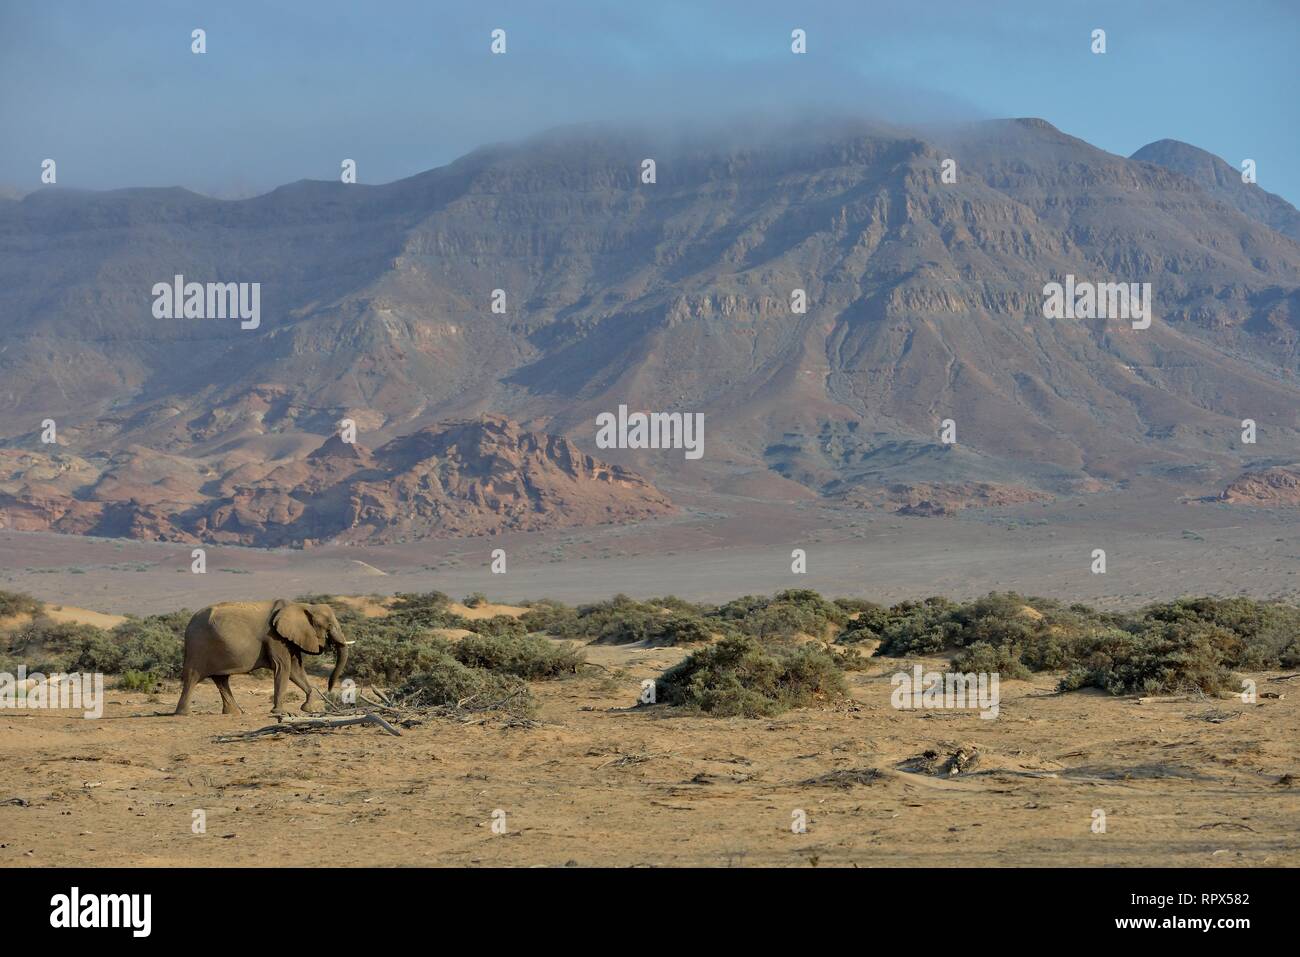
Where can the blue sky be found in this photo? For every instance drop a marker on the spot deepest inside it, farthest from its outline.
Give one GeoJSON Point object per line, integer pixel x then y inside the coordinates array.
{"type": "Point", "coordinates": [288, 89]}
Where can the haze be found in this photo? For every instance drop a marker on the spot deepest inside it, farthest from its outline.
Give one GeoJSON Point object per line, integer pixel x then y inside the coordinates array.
{"type": "Point", "coordinates": [286, 91]}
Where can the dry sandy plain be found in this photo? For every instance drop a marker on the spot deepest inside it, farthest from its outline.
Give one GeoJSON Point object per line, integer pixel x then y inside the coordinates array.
{"type": "Point", "coordinates": [720, 547]}
{"type": "Point", "coordinates": [593, 781]}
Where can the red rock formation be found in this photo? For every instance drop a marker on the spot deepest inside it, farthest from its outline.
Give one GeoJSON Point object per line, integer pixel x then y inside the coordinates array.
{"type": "Point", "coordinates": [473, 477]}
{"type": "Point", "coordinates": [1272, 487]}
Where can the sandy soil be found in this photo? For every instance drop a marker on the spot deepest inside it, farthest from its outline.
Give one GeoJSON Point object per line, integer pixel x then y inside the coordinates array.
{"type": "Point", "coordinates": [593, 782]}
{"type": "Point", "coordinates": [66, 614]}
{"type": "Point", "coordinates": [1189, 782]}
{"type": "Point", "coordinates": [484, 610]}
{"type": "Point", "coordinates": [720, 547]}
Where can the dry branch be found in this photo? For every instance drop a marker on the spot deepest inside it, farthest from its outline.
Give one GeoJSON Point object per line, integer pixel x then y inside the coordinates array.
{"type": "Point", "coordinates": [300, 725]}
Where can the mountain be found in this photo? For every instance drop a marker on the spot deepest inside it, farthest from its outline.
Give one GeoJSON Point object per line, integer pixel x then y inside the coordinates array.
{"type": "Point", "coordinates": [925, 303]}
{"type": "Point", "coordinates": [474, 477]}
{"type": "Point", "coordinates": [1221, 181]}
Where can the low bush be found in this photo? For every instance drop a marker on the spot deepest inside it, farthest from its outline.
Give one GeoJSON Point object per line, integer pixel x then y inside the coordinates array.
{"type": "Point", "coordinates": [47, 646]}
{"type": "Point", "coordinates": [1003, 660]}
{"type": "Point", "coordinates": [146, 644]}
{"type": "Point", "coordinates": [427, 608]}
{"type": "Point", "coordinates": [387, 656]}
{"type": "Point", "coordinates": [154, 644]}
{"type": "Point", "coordinates": [742, 676]}
{"type": "Point", "coordinates": [444, 681]}
{"type": "Point", "coordinates": [19, 603]}
{"type": "Point", "coordinates": [1165, 659]}
{"type": "Point", "coordinates": [623, 620]}
{"type": "Point", "coordinates": [1188, 644]}
{"type": "Point", "coordinates": [524, 656]}
{"type": "Point", "coordinates": [1269, 631]}
{"type": "Point", "coordinates": [146, 682]}
{"type": "Point", "coordinates": [553, 617]}
{"type": "Point", "coordinates": [503, 625]}
{"type": "Point", "coordinates": [687, 630]}
{"type": "Point", "coordinates": [785, 613]}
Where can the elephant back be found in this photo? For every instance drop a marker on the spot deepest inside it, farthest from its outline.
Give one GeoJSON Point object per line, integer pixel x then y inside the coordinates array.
{"type": "Point", "coordinates": [251, 618]}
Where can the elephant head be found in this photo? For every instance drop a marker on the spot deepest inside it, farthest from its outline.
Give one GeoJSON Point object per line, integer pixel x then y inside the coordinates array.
{"type": "Point", "coordinates": [311, 628]}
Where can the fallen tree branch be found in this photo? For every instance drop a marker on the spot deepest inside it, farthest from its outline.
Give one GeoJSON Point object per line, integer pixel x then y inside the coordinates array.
{"type": "Point", "coordinates": [382, 706]}
{"type": "Point", "coordinates": [464, 702]}
{"type": "Point", "coordinates": [300, 725]}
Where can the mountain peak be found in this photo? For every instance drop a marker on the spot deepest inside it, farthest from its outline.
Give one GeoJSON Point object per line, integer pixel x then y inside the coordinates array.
{"type": "Point", "coordinates": [1222, 181]}
{"type": "Point", "coordinates": [1035, 123]}
{"type": "Point", "coordinates": [1184, 158]}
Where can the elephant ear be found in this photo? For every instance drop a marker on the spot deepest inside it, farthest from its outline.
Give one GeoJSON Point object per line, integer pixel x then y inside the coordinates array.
{"type": "Point", "coordinates": [291, 622]}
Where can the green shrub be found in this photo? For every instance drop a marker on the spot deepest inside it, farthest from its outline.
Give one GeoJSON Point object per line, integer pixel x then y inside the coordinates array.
{"type": "Point", "coordinates": [686, 630]}
{"type": "Point", "coordinates": [785, 613]}
{"type": "Point", "coordinates": [155, 644]}
{"type": "Point", "coordinates": [504, 625]}
{"type": "Point", "coordinates": [407, 600]}
{"type": "Point", "coordinates": [47, 646]}
{"type": "Point", "coordinates": [428, 609]}
{"type": "Point", "coordinates": [1269, 631]}
{"type": "Point", "coordinates": [1040, 629]}
{"type": "Point", "coordinates": [19, 603]}
{"type": "Point", "coordinates": [630, 627]}
{"type": "Point", "coordinates": [680, 606]}
{"type": "Point", "coordinates": [524, 656]}
{"type": "Point", "coordinates": [742, 676]}
{"type": "Point", "coordinates": [621, 620]}
{"type": "Point", "coordinates": [151, 644]}
{"type": "Point", "coordinates": [918, 628]}
{"type": "Point", "coordinates": [1003, 660]}
{"type": "Point", "coordinates": [388, 656]}
{"type": "Point", "coordinates": [1164, 659]}
{"type": "Point", "coordinates": [857, 606]}
{"type": "Point", "coordinates": [868, 625]}
{"type": "Point", "coordinates": [142, 681]}
{"type": "Point", "coordinates": [553, 617]}
{"type": "Point", "coordinates": [444, 681]}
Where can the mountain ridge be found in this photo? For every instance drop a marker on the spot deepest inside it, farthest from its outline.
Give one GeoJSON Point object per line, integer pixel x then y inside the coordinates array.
{"type": "Point", "coordinates": [1220, 180]}
{"type": "Point", "coordinates": [924, 303]}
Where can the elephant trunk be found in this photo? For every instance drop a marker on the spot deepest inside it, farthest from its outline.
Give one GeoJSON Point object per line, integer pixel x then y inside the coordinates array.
{"type": "Point", "coordinates": [340, 662]}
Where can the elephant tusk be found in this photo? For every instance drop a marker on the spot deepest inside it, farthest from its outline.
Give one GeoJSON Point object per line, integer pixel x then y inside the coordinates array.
{"type": "Point", "coordinates": [352, 642]}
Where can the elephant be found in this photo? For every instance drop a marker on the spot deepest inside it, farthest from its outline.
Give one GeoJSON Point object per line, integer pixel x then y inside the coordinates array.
{"type": "Point", "coordinates": [234, 638]}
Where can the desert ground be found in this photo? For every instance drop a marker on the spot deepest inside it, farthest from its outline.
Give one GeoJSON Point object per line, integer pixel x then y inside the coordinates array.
{"type": "Point", "coordinates": [1158, 546]}
{"type": "Point", "coordinates": [593, 781]}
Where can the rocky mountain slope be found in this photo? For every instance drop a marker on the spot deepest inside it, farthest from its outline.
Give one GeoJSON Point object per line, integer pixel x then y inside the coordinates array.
{"type": "Point", "coordinates": [924, 303]}
{"type": "Point", "coordinates": [474, 477]}
{"type": "Point", "coordinates": [1224, 183]}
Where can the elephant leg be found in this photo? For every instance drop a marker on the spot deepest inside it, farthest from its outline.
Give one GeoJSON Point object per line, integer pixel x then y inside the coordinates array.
{"type": "Point", "coordinates": [281, 670]}
{"type": "Point", "coordinates": [299, 677]}
{"type": "Point", "coordinates": [189, 678]}
{"type": "Point", "coordinates": [228, 705]}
